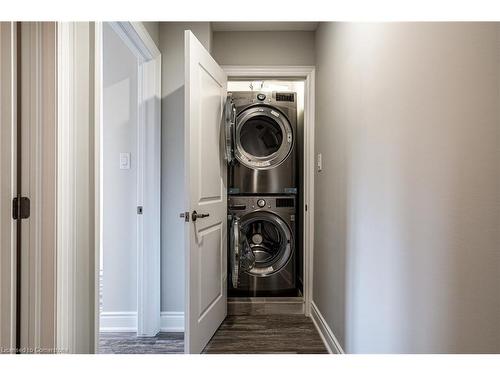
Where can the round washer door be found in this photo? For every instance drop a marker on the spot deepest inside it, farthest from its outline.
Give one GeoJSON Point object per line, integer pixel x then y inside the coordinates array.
{"type": "Point", "coordinates": [263, 137]}
{"type": "Point", "coordinates": [270, 240]}
{"type": "Point", "coordinates": [235, 253]}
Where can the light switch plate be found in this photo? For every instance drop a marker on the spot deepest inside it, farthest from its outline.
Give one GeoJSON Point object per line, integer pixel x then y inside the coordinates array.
{"type": "Point", "coordinates": [125, 160]}
{"type": "Point", "coordinates": [320, 162]}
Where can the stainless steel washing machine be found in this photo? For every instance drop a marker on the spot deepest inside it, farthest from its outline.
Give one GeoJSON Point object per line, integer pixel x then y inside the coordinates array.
{"type": "Point", "coordinates": [261, 142]}
{"type": "Point", "coordinates": [262, 246]}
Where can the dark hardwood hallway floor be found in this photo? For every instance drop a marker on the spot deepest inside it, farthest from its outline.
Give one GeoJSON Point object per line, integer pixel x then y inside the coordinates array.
{"type": "Point", "coordinates": [266, 334]}
{"type": "Point", "coordinates": [238, 334]}
{"type": "Point", "coordinates": [129, 343]}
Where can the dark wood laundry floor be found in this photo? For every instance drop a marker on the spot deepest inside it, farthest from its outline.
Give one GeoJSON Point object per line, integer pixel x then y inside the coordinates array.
{"type": "Point", "coordinates": [266, 334]}
{"type": "Point", "coordinates": [129, 343]}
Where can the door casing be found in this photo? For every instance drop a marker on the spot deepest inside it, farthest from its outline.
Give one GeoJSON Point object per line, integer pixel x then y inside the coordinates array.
{"type": "Point", "coordinates": [80, 55]}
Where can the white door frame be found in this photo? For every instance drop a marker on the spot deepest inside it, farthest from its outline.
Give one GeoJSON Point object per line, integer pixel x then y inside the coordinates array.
{"type": "Point", "coordinates": [77, 200]}
{"type": "Point", "coordinates": [79, 204]}
{"type": "Point", "coordinates": [307, 73]}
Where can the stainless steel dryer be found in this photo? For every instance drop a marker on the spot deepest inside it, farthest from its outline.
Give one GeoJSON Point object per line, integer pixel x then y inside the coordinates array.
{"type": "Point", "coordinates": [262, 246]}
{"type": "Point", "coordinates": [261, 142]}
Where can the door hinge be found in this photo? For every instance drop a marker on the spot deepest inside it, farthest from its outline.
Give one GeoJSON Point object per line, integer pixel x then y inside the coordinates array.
{"type": "Point", "coordinates": [20, 208]}
{"type": "Point", "coordinates": [139, 210]}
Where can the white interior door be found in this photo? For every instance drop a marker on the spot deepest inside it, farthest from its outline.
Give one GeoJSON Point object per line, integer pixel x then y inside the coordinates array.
{"type": "Point", "coordinates": [206, 248]}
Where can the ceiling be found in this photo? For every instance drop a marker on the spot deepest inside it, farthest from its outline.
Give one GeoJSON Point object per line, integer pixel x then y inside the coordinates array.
{"type": "Point", "coordinates": [264, 26]}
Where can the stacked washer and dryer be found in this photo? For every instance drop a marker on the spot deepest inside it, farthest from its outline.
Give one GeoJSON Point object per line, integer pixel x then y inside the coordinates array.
{"type": "Point", "coordinates": [261, 151]}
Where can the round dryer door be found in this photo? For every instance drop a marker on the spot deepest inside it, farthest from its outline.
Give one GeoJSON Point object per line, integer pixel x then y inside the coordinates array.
{"type": "Point", "coordinates": [270, 240]}
{"type": "Point", "coordinates": [263, 137]}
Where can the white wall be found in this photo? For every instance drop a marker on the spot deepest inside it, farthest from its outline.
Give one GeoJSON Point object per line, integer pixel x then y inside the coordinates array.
{"type": "Point", "coordinates": [172, 240]}
{"type": "Point", "coordinates": [120, 196]}
{"type": "Point", "coordinates": [264, 47]}
{"type": "Point", "coordinates": [408, 205]}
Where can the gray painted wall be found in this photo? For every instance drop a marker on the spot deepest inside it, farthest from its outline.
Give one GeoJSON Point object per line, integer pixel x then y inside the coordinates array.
{"type": "Point", "coordinates": [407, 243]}
{"type": "Point", "coordinates": [172, 240]}
{"type": "Point", "coordinates": [153, 29]}
{"type": "Point", "coordinates": [264, 47]}
{"type": "Point", "coordinates": [120, 195]}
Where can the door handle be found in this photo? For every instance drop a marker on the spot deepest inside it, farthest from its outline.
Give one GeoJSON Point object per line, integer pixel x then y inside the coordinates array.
{"type": "Point", "coordinates": [196, 215]}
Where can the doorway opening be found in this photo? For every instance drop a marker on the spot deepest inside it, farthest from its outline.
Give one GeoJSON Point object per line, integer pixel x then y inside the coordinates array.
{"type": "Point", "coordinates": [272, 304]}
{"type": "Point", "coordinates": [276, 236]}
{"type": "Point", "coordinates": [129, 266]}
{"type": "Point", "coordinates": [298, 80]}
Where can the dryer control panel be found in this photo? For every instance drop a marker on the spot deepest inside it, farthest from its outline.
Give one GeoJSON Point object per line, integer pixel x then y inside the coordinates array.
{"type": "Point", "coordinates": [250, 203]}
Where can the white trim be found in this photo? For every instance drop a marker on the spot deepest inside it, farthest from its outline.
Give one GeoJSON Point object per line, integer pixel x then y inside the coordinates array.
{"type": "Point", "coordinates": [65, 210]}
{"type": "Point", "coordinates": [282, 71]}
{"type": "Point", "coordinates": [324, 330]}
{"type": "Point", "coordinates": [149, 197]}
{"type": "Point", "coordinates": [172, 321]}
{"type": "Point", "coordinates": [98, 174]}
{"type": "Point", "coordinates": [121, 321]}
{"type": "Point", "coordinates": [126, 321]}
{"type": "Point", "coordinates": [308, 74]}
{"type": "Point", "coordinates": [137, 38]}
{"type": "Point", "coordinates": [309, 169]}
{"type": "Point", "coordinates": [75, 199]}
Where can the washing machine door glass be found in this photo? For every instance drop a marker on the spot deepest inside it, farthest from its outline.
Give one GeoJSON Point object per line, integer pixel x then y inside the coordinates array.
{"type": "Point", "coordinates": [270, 241]}
{"type": "Point", "coordinates": [263, 137]}
{"type": "Point", "coordinates": [230, 122]}
{"type": "Point", "coordinates": [242, 257]}
{"type": "Point", "coordinates": [235, 251]}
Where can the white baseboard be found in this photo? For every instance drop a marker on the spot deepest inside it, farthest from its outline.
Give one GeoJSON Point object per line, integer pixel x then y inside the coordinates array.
{"type": "Point", "coordinates": [126, 321]}
{"type": "Point", "coordinates": [118, 321]}
{"type": "Point", "coordinates": [331, 342]}
{"type": "Point", "coordinates": [172, 321]}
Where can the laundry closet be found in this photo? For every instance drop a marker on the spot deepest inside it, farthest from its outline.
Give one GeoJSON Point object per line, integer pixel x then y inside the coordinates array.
{"type": "Point", "coordinates": [264, 152]}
